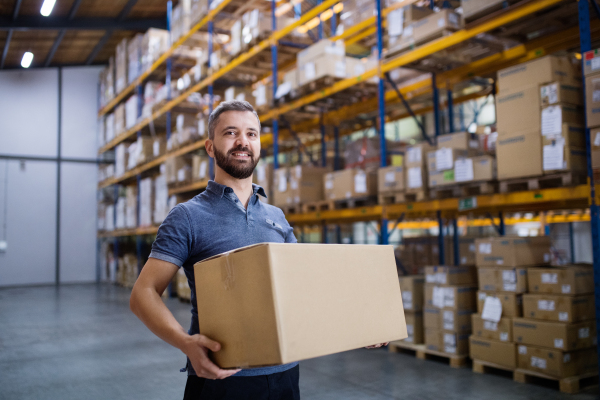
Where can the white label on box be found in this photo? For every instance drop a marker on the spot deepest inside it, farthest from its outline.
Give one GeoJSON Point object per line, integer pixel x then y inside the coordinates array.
{"type": "Point", "coordinates": [553, 157]}
{"type": "Point", "coordinates": [595, 96]}
{"type": "Point", "coordinates": [448, 320]}
{"type": "Point", "coordinates": [463, 170]}
{"type": "Point", "coordinates": [453, 18]}
{"type": "Point", "coordinates": [583, 333]}
{"type": "Point", "coordinates": [261, 173]}
{"type": "Point", "coordinates": [551, 278]}
{"type": "Point", "coordinates": [390, 177]}
{"type": "Point", "coordinates": [201, 127]}
{"type": "Point", "coordinates": [551, 120]}
{"type": "Point", "coordinates": [309, 71]}
{"type": "Point", "coordinates": [482, 296]}
{"type": "Point", "coordinates": [546, 305]}
{"type": "Point", "coordinates": [450, 340]}
{"type": "Point", "coordinates": [463, 260]}
{"type": "Point", "coordinates": [509, 276]}
{"type": "Point", "coordinates": [439, 277]}
{"type": "Point", "coordinates": [202, 172]}
{"type": "Point", "coordinates": [566, 358]}
{"type": "Point", "coordinates": [410, 329]}
{"type": "Point", "coordinates": [282, 185]}
{"type": "Point", "coordinates": [181, 175]}
{"type": "Point", "coordinates": [522, 350]}
{"type": "Point", "coordinates": [538, 362]}
{"type": "Point", "coordinates": [415, 180]}
{"type": "Point", "coordinates": [348, 194]}
{"type": "Point", "coordinates": [509, 287]}
{"type": "Point", "coordinates": [297, 199]}
{"type": "Point", "coordinates": [360, 182]}
{"type": "Point", "coordinates": [597, 138]}
{"type": "Point", "coordinates": [485, 248]}
{"type": "Point", "coordinates": [197, 72]}
{"type": "Point", "coordinates": [396, 22]}
{"type": "Point", "coordinates": [562, 316]}
{"type": "Point", "coordinates": [438, 297]}
{"type": "Point", "coordinates": [179, 122]}
{"type": "Point", "coordinates": [500, 262]}
{"type": "Point", "coordinates": [492, 309]}
{"type": "Point", "coordinates": [329, 184]}
{"type": "Point", "coordinates": [559, 343]}
{"type": "Point", "coordinates": [407, 300]}
{"type": "Point", "coordinates": [408, 32]}
{"type": "Point", "coordinates": [595, 64]}
{"type": "Point", "coordinates": [550, 92]}
{"type": "Point", "coordinates": [283, 89]}
{"type": "Point", "coordinates": [441, 22]}
{"type": "Point", "coordinates": [547, 257]}
{"type": "Point", "coordinates": [566, 289]}
{"type": "Point", "coordinates": [504, 336]}
{"type": "Point", "coordinates": [298, 171]}
{"type": "Point", "coordinates": [229, 94]}
{"type": "Point", "coordinates": [413, 154]}
{"type": "Point", "coordinates": [490, 326]}
{"type": "Point", "coordinates": [472, 247]}
{"type": "Point", "coordinates": [443, 159]}
{"type": "Point", "coordinates": [340, 69]}
{"type": "Point", "coordinates": [449, 297]}
{"type": "Point", "coordinates": [156, 148]}
{"type": "Point", "coordinates": [293, 184]}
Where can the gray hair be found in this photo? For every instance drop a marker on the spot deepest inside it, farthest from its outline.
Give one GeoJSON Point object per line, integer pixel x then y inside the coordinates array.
{"type": "Point", "coordinates": [232, 105]}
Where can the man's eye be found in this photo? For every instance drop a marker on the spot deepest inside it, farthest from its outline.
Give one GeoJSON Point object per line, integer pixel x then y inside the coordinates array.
{"type": "Point", "coordinates": [230, 132]}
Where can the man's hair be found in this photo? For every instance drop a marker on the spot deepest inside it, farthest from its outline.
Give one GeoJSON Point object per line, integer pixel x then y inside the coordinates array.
{"type": "Point", "coordinates": [232, 105]}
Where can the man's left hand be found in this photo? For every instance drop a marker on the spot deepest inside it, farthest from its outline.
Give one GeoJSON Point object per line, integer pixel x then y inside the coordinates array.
{"type": "Point", "coordinates": [376, 346]}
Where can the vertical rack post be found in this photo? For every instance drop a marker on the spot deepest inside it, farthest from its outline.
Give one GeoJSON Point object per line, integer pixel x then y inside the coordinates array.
{"type": "Point", "coordinates": [168, 76]}
{"type": "Point", "coordinates": [456, 241]}
{"type": "Point", "coordinates": [274, 79]}
{"type": "Point", "coordinates": [450, 111]}
{"type": "Point", "coordinates": [211, 161]}
{"type": "Point", "coordinates": [442, 258]}
{"type": "Point", "coordinates": [323, 144]}
{"type": "Point", "coordinates": [585, 38]}
{"type": "Point", "coordinates": [436, 105]}
{"type": "Point", "coordinates": [381, 104]}
{"type": "Point", "coordinates": [501, 226]}
{"type": "Point", "coordinates": [320, 22]}
{"type": "Point", "coordinates": [336, 159]}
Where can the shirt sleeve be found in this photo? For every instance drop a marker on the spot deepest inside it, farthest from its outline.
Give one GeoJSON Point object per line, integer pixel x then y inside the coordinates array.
{"type": "Point", "coordinates": [289, 231]}
{"type": "Point", "coordinates": [174, 238]}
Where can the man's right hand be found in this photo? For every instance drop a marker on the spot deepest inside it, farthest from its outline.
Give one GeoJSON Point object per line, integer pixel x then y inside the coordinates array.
{"type": "Point", "coordinates": [196, 349]}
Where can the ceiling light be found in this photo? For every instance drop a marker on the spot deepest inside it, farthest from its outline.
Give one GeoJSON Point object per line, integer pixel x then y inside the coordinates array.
{"type": "Point", "coordinates": [27, 59]}
{"type": "Point", "coordinates": [47, 7]}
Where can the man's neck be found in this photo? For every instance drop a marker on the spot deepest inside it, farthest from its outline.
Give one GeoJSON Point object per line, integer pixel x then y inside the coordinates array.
{"type": "Point", "coordinates": [241, 187]}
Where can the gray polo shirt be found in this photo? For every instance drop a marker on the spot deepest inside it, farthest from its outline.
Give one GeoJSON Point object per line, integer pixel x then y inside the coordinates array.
{"type": "Point", "coordinates": [214, 222]}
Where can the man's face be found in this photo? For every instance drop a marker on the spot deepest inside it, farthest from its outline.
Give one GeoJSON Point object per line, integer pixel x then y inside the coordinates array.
{"type": "Point", "coordinates": [236, 144]}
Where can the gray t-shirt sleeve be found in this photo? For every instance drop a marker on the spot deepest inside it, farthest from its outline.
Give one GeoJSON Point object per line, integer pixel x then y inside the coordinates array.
{"type": "Point", "coordinates": [174, 238]}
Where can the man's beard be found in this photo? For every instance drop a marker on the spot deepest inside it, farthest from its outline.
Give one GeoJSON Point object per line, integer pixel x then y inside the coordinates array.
{"type": "Point", "coordinates": [234, 168]}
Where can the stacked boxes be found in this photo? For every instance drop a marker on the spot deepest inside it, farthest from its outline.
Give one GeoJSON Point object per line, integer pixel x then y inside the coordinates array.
{"type": "Point", "coordinates": [146, 202]}
{"type": "Point", "coordinates": [416, 167]}
{"type": "Point", "coordinates": [134, 58]}
{"type": "Point", "coordinates": [449, 303]}
{"type": "Point", "coordinates": [350, 184]}
{"type": "Point", "coordinates": [411, 288]}
{"type": "Point", "coordinates": [121, 66]}
{"type": "Point", "coordinates": [324, 58]}
{"type": "Point", "coordinates": [161, 198]}
{"type": "Point", "coordinates": [591, 69]}
{"type": "Point", "coordinates": [199, 167]}
{"type": "Point", "coordinates": [298, 185]}
{"type": "Point", "coordinates": [390, 180]}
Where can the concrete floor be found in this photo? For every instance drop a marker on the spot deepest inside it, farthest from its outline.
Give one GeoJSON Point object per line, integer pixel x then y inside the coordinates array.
{"type": "Point", "coordinates": [82, 341]}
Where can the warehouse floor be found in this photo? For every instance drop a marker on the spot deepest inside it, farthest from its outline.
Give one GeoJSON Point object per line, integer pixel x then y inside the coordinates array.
{"type": "Point", "coordinates": [82, 339]}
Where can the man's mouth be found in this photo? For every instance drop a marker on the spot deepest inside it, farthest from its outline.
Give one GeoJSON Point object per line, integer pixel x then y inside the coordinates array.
{"type": "Point", "coordinates": [240, 154]}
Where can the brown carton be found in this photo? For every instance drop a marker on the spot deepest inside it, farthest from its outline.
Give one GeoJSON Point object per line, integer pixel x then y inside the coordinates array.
{"type": "Point", "coordinates": [459, 141]}
{"type": "Point", "coordinates": [576, 279]}
{"type": "Point", "coordinates": [350, 183]}
{"type": "Point", "coordinates": [558, 335]}
{"type": "Point", "coordinates": [458, 321]}
{"type": "Point", "coordinates": [263, 176]}
{"type": "Point", "coordinates": [554, 116]}
{"type": "Point", "coordinates": [306, 183]}
{"type": "Point", "coordinates": [450, 297]}
{"type": "Point", "coordinates": [496, 279]}
{"type": "Point", "coordinates": [512, 303]}
{"type": "Point", "coordinates": [447, 275]}
{"type": "Point", "coordinates": [501, 330]}
{"type": "Point", "coordinates": [414, 327]}
{"type": "Point", "coordinates": [512, 251]}
{"type": "Point", "coordinates": [416, 155]}
{"type": "Point", "coordinates": [556, 363]}
{"type": "Point", "coordinates": [474, 169]}
{"type": "Point", "coordinates": [558, 158]}
{"type": "Point", "coordinates": [412, 288]}
{"type": "Point", "coordinates": [432, 318]}
{"type": "Point", "coordinates": [390, 179]}
{"type": "Point", "coordinates": [519, 154]}
{"type": "Point", "coordinates": [572, 135]}
{"type": "Point", "coordinates": [591, 62]}
{"type": "Point", "coordinates": [440, 178]}
{"type": "Point", "coordinates": [560, 92]}
{"type": "Point", "coordinates": [446, 342]}
{"type": "Point", "coordinates": [272, 303]}
{"type": "Point", "coordinates": [518, 110]}
{"type": "Point", "coordinates": [443, 158]}
{"type": "Point", "coordinates": [556, 307]}
{"type": "Point", "coordinates": [532, 73]}
{"type": "Point", "coordinates": [431, 26]}
{"type": "Point", "coordinates": [493, 351]}
{"type": "Point", "coordinates": [592, 100]}
{"type": "Point", "coordinates": [282, 193]}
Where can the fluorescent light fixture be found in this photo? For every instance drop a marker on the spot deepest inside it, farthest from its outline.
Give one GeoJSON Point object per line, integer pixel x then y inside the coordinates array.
{"type": "Point", "coordinates": [47, 7]}
{"type": "Point", "coordinates": [27, 59]}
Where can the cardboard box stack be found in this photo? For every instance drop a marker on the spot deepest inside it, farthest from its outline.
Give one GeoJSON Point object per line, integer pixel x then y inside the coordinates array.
{"type": "Point", "coordinates": [591, 70]}
{"type": "Point", "coordinates": [502, 264]}
{"type": "Point", "coordinates": [390, 182]}
{"type": "Point", "coordinates": [121, 66]}
{"type": "Point", "coordinates": [161, 197]}
{"type": "Point", "coordinates": [178, 170]}
{"type": "Point", "coordinates": [298, 185]}
{"type": "Point", "coordinates": [134, 58]}
{"type": "Point", "coordinates": [324, 58]}
{"type": "Point", "coordinates": [538, 113]}
{"type": "Point", "coordinates": [263, 176]}
{"type": "Point", "coordinates": [416, 168]}
{"type": "Point", "coordinates": [412, 289]}
{"type": "Point", "coordinates": [350, 184]}
{"type": "Point", "coordinates": [449, 303]}
{"type": "Point", "coordinates": [199, 167]}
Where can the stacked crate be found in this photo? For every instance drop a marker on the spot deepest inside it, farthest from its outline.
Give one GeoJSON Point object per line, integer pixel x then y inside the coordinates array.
{"type": "Point", "coordinates": [294, 186]}
{"type": "Point", "coordinates": [412, 300]}
{"type": "Point", "coordinates": [449, 303]}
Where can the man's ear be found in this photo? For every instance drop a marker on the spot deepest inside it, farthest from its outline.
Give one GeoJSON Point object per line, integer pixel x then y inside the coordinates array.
{"type": "Point", "coordinates": [208, 146]}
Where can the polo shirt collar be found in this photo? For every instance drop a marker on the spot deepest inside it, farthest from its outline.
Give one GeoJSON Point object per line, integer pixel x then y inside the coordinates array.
{"type": "Point", "coordinates": [219, 189]}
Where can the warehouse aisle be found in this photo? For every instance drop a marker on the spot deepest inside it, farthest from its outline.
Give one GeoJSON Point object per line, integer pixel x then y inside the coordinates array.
{"type": "Point", "coordinates": [82, 339]}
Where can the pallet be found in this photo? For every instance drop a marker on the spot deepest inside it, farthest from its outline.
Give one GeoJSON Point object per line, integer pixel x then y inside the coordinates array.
{"type": "Point", "coordinates": [390, 198]}
{"type": "Point", "coordinates": [423, 353]}
{"type": "Point", "coordinates": [571, 385]}
{"type": "Point", "coordinates": [317, 206]}
{"type": "Point", "coordinates": [486, 367]}
{"type": "Point", "coordinates": [409, 46]}
{"type": "Point", "coordinates": [542, 182]}
{"type": "Point", "coordinates": [414, 196]}
{"type": "Point", "coordinates": [445, 192]}
{"type": "Point", "coordinates": [479, 188]}
{"type": "Point", "coordinates": [355, 202]}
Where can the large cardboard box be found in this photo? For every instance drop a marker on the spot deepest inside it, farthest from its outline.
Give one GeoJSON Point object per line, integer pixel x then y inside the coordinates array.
{"type": "Point", "coordinates": [560, 92]}
{"type": "Point", "coordinates": [576, 279]}
{"type": "Point", "coordinates": [532, 73]}
{"type": "Point", "coordinates": [496, 279]}
{"type": "Point", "coordinates": [390, 179]}
{"type": "Point", "coordinates": [432, 318]}
{"type": "Point", "coordinates": [557, 363]}
{"type": "Point", "coordinates": [519, 154]}
{"type": "Point", "coordinates": [350, 183]}
{"type": "Point", "coordinates": [450, 297]}
{"type": "Point", "coordinates": [431, 26]}
{"type": "Point", "coordinates": [416, 155]}
{"type": "Point", "coordinates": [558, 335]}
{"type": "Point", "coordinates": [440, 178]}
{"type": "Point", "coordinates": [591, 62]}
{"type": "Point", "coordinates": [571, 136]}
{"type": "Point", "coordinates": [518, 110]}
{"type": "Point", "coordinates": [458, 321]}
{"type": "Point", "coordinates": [475, 169]}
{"type": "Point", "coordinates": [446, 275]}
{"type": "Point", "coordinates": [325, 65]}
{"type": "Point", "coordinates": [459, 140]}
{"type": "Point", "coordinates": [553, 117]}
{"type": "Point", "coordinates": [556, 307]}
{"type": "Point", "coordinates": [512, 303]}
{"type": "Point", "coordinates": [493, 351]}
{"type": "Point", "coordinates": [592, 100]}
{"type": "Point", "coordinates": [412, 288]}
{"type": "Point", "coordinates": [557, 157]}
{"type": "Point", "coordinates": [272, 303]}
{"type": "Point", "coordinates": [414, 327]}
{"type": "Point", "coordinates": [282, 193]}
{"type": "Point", "coordinates": [306, 183]}
{"type": "Point", "coordinates": [507, 251]}
{"type": "Point", "coordinates": [446, 342]}
{"type": "Point", "coordinates": [501, 330]}
{"type": "Point", "coordinates": [443, 159]}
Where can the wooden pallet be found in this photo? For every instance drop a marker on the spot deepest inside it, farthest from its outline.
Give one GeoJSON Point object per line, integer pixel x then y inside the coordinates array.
{"type": "Point", "coordinates": [542, 182]}
{"type": "Point", "coordinates": [313, 86]}
{"type": "Point", "coordinates": [478, 188]}
{"type": "Point", "coordinates": [355, 202]}
{"type": "Point", "coordinates": [416, 195]}
{"type": "Point", "coordinates": [571, 385]}
{"type": "Point", "coordinates": [390, 198]}
{"type": "Point", "coordinates": [486, 367]}
{"type": "Point", "coordinates": [445, 192]}
{"type": "Point", "coordinates": [317, 206]}
{"type": "Point", "coordinates": [423, 353]}
{"type": "Point", "coordinates": [394, 52]}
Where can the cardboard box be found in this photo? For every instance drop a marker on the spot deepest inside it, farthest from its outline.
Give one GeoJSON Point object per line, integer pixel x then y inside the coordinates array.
{"type": "Point", "coordinates": [595, 142]}
{"type": "Point", "coordinates": [557, 157]}
{"type": "Point", "coordinates": [552, 307]}
{"type": "Point", "coordinates": [414, 327]}
{"type": "Point", "coordinates": [475, 169]}
{"type": "Point", "coordinates": [159, 145]}
{"type": "Point", "coordinates": [576, 279]}
{"type": "Point", "coordinates": [324, 47]}
{"type": "Point", "coordinates": [591, 62]}
{"type": "Point", "coordinates": [519, 154]}
{"type": "Point", "coordinates": [417, 178]}
{"type": "Point", "coordinates": [560, 93]}
{"type": "Point", "coordinates": [458, 321]}
{"type": "Point", "coordinates": [443, 159]}
{"type": "Point", "coordinates": [496, 279]}
{"type": "Point", "coordinates": [440, 178]}
{"type": "Point", "coordinates": [450, 297]}
{"type": "Point", "coordinates": [493, 351]}
{"type": "Point", "coordinates": [459, 141]}
{"type": "Point", "coordinates": [518, 110]}
{"type": "Point", "coordinates": [501, 331]}
{"type": "Point", "coordinates": [554, 116]}
{"type": "Point", "coordinates": [571, 135]}
{"type": "Point", "coordinates": [466, 251]}
{"type": "Point", "coordinates": [416, 155]}
{"type": "Point", "coordinates": [592, 100]}
{"type": "Point", "coordinates": [446, 342]}
{"type": "Point", "coordinates": [513, 251]}
{"type": "Point", "coordinates": [322, 66]}
{"type": "Point", "coordinates": [559, 335]}
{"type": "Point", "coordinates": [298, 185]}
{"type": "Point", "coordinates": [541, 70]}
{"type": "Point", "coordinates": [350, 183]}
{"type": "Point", "coordinates": [390, 179]}
{"type": "Point", "coordinates": [432, 318]}
{"type": "Point", "coordinates": [557, 363]}
{"type": "Point", "coordinates": [121, 66]}
{"type": "Point", "coordinates": [412, 288]}
{"type": "Point", "coordinates": [275, 303]}
{"type": "Point", "coordinates": [431, 26]}
{"type": "Point", "coordinates": [512, 303]}
{"type": "Point", "coordinates": [474, 8]}
{"type": "Point", "coordinates": [199, 168]}
{"type": "Point", "coordinates": [446, 275]}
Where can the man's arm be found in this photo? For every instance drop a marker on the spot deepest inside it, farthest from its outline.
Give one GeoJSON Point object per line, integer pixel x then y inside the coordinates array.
{"type": "Point", "coordinates": [147, 305]}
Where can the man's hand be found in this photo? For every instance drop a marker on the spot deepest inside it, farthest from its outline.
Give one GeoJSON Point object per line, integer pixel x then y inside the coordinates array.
{"type": "Point", "coordinates": [376, 346]}
{"type": "Point", "coordinates": [197, 351]}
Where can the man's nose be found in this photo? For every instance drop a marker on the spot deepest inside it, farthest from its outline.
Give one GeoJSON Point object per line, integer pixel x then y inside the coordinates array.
{"type": "Point", "coordinates": [243, 141]}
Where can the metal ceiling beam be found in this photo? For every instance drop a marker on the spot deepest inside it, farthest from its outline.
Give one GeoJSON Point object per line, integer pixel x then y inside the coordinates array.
{"type": "Point", "coordinates": [56, 23]}
{"type": "Point", "coordinates": [62, 33]}
{"type": "Point", "coordinates": [10, 33]}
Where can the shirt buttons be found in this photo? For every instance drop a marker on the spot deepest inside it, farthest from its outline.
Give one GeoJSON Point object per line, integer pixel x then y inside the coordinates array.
{"type": "Point", "coordinates": [235, 201]}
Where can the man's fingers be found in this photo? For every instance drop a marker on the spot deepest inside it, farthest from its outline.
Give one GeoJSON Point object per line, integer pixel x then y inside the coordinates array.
{"type": "Point", "coordinates": [209, 344]}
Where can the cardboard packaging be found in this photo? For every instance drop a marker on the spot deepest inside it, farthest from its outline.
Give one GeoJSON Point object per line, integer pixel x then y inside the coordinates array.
{"type": "Point", "coordinates": [571, 280]}
{"type": "Point", "coordinates": [443, 159]}
{"type": "Point", "coordinates": [324, 65]}
{"type": "Point", "coordinates": [466, 251]}
{"type": "Point", "coordinates": [146, 201]}
{"type": "Point", "coordinates": [541, 70]}
{"type": "Point", "coordinates": [446, 275]}
{"type": "Point", "coordinates": [501, 331]}
{"type": "Point", "coordinates": [592, 100]}
{"type": "Point", "coordinates": [475, 169]}
{"type": "Point", "coordinates": [412, 288]}
{"type": "Point", "coordinates": [519, 154]}
{"type": "Point", "coordinates": [298, 185]}
{"type": "Point", "coordinates": [557, 363]}
{"type": "Point", "coordinates": [554, 116]}
{"type": "Point", "coordinates": [414, 327]}
{"type": "Point", "coordinates": [272, 303]}
{"type": "Point", "coordinates": [199, 168]}
{"type": "Point", "coordinates": [493, 351]}
{"type": "Point", "coordinates": [591, 62]}
{"type": "Point", "coordinates": [432, 318]}
{"type": "Point", "coordinates": [239, 93]}
{"type": "Point", "coordinates": [517, 110]}
{"type": "Point", "coordinates": [458, 321]}
{"type": "Point", "coordinates": [350, 183]}
{"type": "Point", "coordinates": [474, 8]}
{"type": "Point", "coordinates": [363, 153]}
{"type": "Point", "coordinates": [416, 155]}
{"type": "Point", "coordinates": [121, 66]}
{"type": "Point", "coordinates": [134, 58]}
{"type": "Point", "coordinates": [433, 25]}
{"type": "Point", "coordinates": [595, 141]}
{"type": "Point", "coordinates": [450, 298]}
{"type": "Point", "coordinates": [507, 251]}
{"type": "Point", "coordinates": [459, 141]}
{"type": "Point", "coordinates": [557, 157]}
{"type": "Point", "coordinates": [440, 178]}
{"type": "Point", "coordinates": [512, 303]}
{"type": "Point", "coordinates": [558, 335]}
{"type": "Point", "coordinates": [159, 145]}
{"type": "Point", "coordinates": [446, 342]}
{"type": "Point", "coordinates": [417, 178]}
{"type": "Point", "coordinates": [552, 307]}
{"type": "Point", "coordinates": [559, 92]}
{"type": "Point", "coordinates": [495, 279]}
{"type": "Point", "coordinates": [390, 179]}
